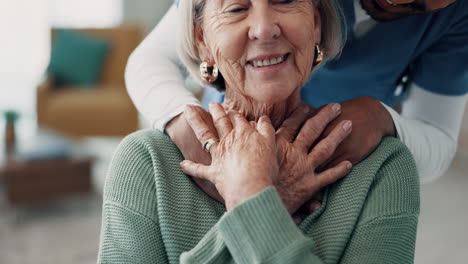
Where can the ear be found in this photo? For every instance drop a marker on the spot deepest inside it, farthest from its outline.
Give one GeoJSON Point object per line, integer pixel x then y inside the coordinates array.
{"type": "Point", "coordinates": [203, 50]}
{"type": "Point", "coordinates": [317, 22]}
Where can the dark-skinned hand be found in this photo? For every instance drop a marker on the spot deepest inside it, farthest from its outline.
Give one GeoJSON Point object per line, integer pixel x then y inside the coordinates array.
{"type": "Point", "coordinates": [371, 122]}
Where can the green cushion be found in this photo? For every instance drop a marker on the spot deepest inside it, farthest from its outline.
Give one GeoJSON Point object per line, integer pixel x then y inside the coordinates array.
{"type": "Point", "coordinates": [77, 59]}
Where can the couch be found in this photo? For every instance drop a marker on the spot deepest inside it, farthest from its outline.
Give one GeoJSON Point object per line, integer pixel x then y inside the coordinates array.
{"type": "Point", "coordinates": [104, 109]}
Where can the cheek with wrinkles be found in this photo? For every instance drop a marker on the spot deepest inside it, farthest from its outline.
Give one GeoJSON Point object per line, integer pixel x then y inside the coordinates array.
{"type": "Point", "coordinates": [226, 44]}
{"type": "Point", "coordinates": [232, 69]}
{"type": "Point", "coordinates": [298, 29]}
{"type": "Point", "coordinates": [303, 42]}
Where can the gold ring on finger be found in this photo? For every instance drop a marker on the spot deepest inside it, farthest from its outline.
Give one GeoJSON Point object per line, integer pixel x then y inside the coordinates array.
{"type": "Point", "coordinates": [207, 145]}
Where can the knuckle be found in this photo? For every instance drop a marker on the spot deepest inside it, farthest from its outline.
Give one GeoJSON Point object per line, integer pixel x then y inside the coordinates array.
{"type": "Point", "coordinates": [221, 120]}
{"type": "Point", "coordinates": [203, 133]}
{"type": "Point", "coordinates": [336, 136]}
{"type": "Point", "coordinates": [326, 178]}
{"type": "Point", "coordinates": [288, 126]}
{"type": "Point", "coordinates": [313, 127]}
{"type": "Point", "coordinates": [327, 114]}
{"type": "Point", "coordinates": [324, 150]}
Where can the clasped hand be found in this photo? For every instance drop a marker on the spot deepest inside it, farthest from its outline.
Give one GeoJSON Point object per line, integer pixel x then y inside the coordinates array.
{"type": "Point", "coordinates": [251, 156]}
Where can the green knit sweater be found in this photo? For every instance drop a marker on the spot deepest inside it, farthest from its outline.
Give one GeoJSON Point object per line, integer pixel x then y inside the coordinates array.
{"type": "Point", "coordinates": [154, 213]}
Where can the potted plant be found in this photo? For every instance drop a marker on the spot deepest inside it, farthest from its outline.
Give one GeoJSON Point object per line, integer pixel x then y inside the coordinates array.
{"type": "Point", "coordinates": [10, 118]}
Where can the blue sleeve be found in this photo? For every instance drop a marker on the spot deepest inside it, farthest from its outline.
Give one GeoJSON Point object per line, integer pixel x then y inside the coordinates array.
{"type": "Point", "coordinates": [443, 67]}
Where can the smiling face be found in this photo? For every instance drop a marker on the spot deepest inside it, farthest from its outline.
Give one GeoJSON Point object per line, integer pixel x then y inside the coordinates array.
{"type": "Point", "coordinates": [263, 48]}
{"type": "Point", "coordinates": [388, 10]}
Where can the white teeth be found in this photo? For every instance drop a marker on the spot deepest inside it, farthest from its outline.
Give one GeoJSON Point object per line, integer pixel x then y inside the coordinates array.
{"type": "Point", "coordinates": [390, 2]}
{"type": "Point", "coordinates": [263, 63]}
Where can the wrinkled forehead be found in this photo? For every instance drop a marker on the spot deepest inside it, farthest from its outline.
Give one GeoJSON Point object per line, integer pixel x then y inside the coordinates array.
{"type": "Point", "coordinates": [221, 1]}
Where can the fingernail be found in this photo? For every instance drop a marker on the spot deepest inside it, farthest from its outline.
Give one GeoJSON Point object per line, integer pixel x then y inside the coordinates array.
{"type": "Point", "coordinates": [336, 107]}
{"type": "Point", "coordinates": [349, 165]}
{"type": "Point", "coordinates": [347, 125]}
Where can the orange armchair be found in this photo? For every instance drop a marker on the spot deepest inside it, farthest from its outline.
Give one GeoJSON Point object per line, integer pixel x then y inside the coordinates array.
{"type": "Point", "coordinates": [103, 110]}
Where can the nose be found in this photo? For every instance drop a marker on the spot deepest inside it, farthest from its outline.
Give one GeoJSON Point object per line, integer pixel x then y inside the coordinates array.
{"type": "Point", "coordinates": [264, 25]}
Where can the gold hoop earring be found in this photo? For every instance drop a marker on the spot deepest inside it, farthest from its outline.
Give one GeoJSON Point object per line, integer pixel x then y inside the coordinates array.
{"type": "Point", "coordinates": [209, 74]}
{"type": "Point", "coordinates": [318, 55]}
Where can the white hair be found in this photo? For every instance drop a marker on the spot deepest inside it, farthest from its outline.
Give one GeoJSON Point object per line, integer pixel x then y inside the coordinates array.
{"type": "Point", "coordinates": [191, 13]}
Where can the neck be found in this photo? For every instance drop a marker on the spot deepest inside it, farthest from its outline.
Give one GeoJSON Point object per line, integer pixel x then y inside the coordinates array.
{"type": "Point", "coordinates": [253, 110]}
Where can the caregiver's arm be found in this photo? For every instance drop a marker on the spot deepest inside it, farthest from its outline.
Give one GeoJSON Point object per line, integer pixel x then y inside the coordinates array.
{"type": "Point", "coordinates": [429, 126]}
{"type": "Point", "coordinates": [155, 83]}
{"type": "Point", "coordinates": [431, 117]}
{"type": "Point", "coordinates": [154, 76]}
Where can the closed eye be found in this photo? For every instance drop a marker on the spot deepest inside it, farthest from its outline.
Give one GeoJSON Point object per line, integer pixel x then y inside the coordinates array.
{"type": "Point", "coordinates": [237, 10]}
{"type": "Point", "coordinates": [285, 1]}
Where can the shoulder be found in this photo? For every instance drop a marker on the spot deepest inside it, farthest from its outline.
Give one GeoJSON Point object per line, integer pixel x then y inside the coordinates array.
{"type": "Point", "coordinates": [130, 179]}
{"type": "Point", "coordinates": [394, 188]}
{"type": "Point", "coordinates": [145, 147]}
{"type": "Point", "coordinates": [147, 141]}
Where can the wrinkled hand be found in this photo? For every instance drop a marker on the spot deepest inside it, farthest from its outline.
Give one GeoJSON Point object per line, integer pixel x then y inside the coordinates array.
{"type": "Point", "coordinates": [371, 122]}
{"type": "Point", "coordinates": [298, 181]}
{"type": "Point", "coordinates": [244, 160]}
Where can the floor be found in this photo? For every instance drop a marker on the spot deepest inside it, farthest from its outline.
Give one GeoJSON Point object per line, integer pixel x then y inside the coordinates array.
{"type": "Point", "coordinates": [67, 231]}
{"type": "Point", "coordinates": [443, 222]}
{"type": "Point", "coordinates": [61, 232]}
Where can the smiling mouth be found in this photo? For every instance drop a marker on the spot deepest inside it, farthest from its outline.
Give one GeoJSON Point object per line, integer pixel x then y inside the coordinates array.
{"type": "Point", "coordinates": [268, 62]}
{"type": "Point", "coordinates": [389, 6]}
{"type": "Point", "coordinates": [385, 5]}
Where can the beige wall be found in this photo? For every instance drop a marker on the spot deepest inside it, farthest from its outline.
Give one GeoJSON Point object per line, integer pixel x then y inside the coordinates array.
{"type": "Point", "coordinates": [463, 140]}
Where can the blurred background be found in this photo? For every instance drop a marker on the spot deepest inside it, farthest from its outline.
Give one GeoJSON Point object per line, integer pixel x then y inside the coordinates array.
{"type": "Point", "coordinates": [57, 135]}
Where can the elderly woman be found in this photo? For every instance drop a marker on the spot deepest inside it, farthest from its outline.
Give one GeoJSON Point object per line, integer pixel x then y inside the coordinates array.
{"type": "Point", "coordinates": [260, 52]}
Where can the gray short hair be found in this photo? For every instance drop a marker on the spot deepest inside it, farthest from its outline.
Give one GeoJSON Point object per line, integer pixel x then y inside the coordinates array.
{"type": "Point", "coordinates": [191, 13]}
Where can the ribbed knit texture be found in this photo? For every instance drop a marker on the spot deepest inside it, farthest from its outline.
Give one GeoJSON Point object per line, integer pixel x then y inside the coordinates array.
{"type": "Point", "coordinates": [154, 213]}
